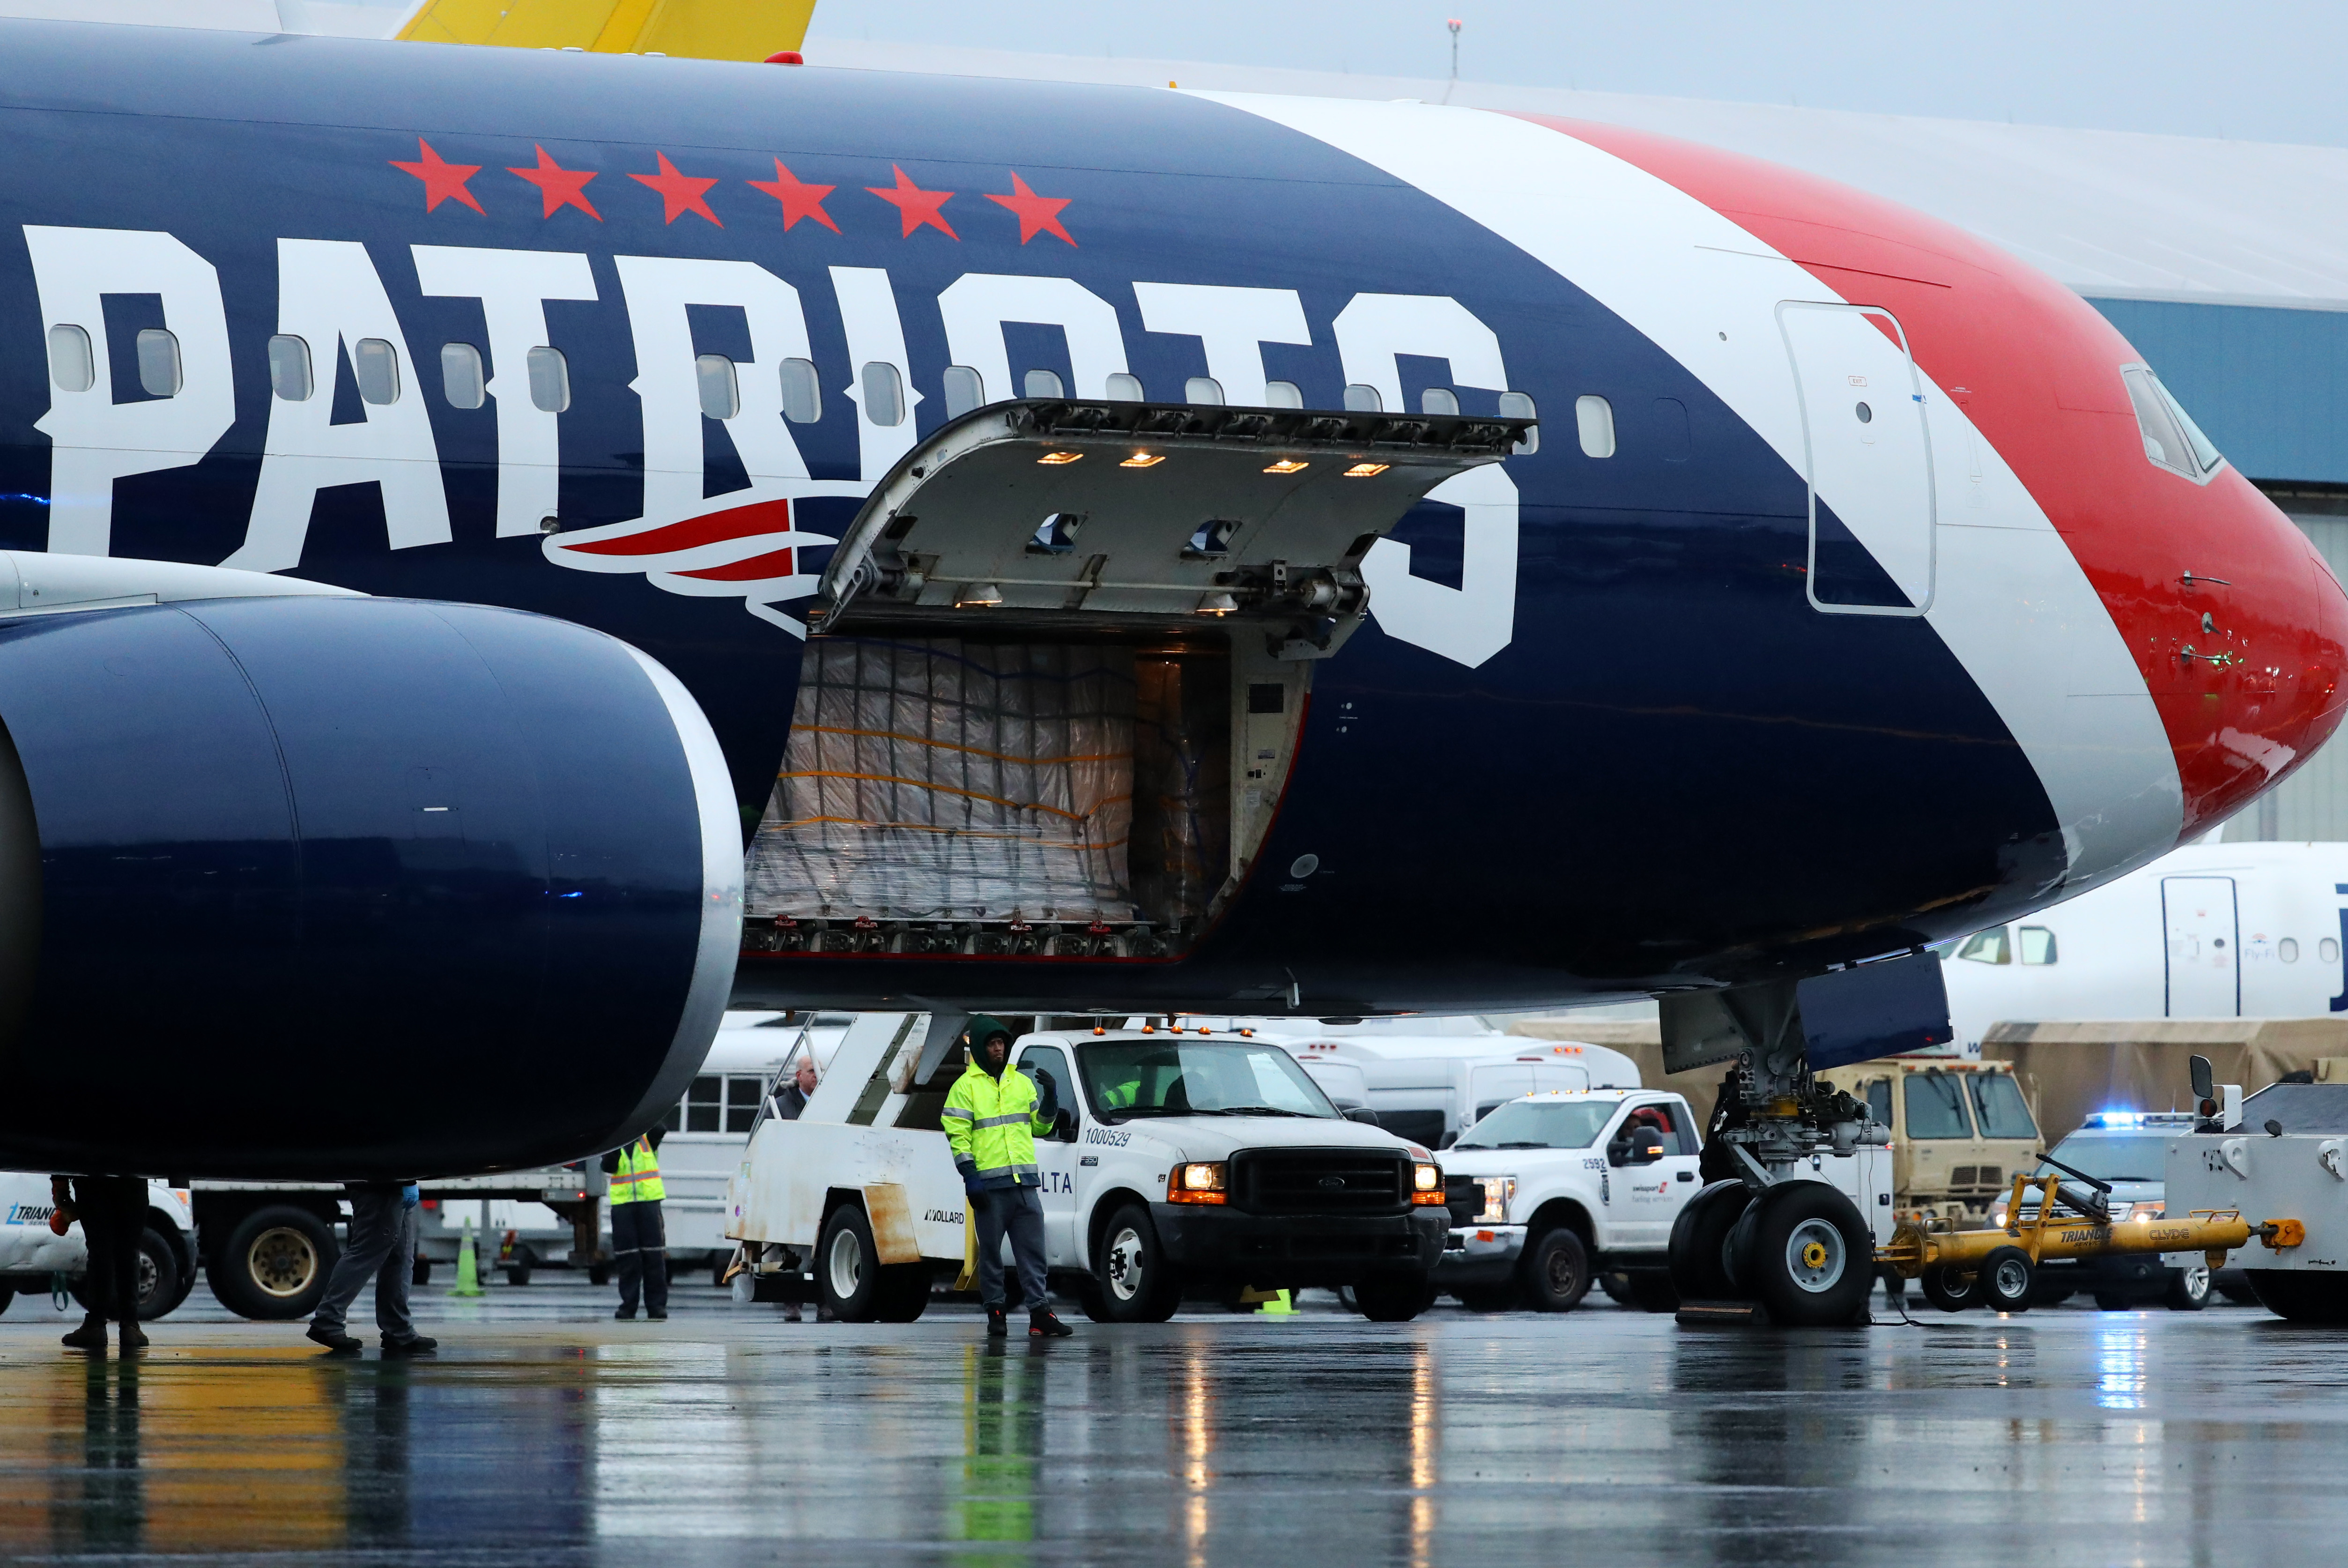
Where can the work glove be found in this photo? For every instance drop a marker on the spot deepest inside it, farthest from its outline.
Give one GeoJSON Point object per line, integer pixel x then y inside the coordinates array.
{"type": "Point", "coordinates": [971, 1185]}
{"type": "Point", "coordinates": [411, 1195]}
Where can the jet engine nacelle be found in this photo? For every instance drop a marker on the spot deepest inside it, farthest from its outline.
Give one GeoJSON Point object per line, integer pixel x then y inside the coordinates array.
{"type": "Point", "coordinates": [306, 884]}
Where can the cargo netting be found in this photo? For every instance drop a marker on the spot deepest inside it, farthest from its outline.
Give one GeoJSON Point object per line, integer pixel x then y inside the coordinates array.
{"type": "Point", "coordinates": [940, 780]}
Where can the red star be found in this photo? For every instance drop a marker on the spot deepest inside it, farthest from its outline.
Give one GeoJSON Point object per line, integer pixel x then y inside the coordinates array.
{"type": "Point", "coordinates": [680, 193]}
{"type": "Point", "coordinates": [1037, 214]}
{"type": "Point", "coordinates": [799, 201]}
{"type": "Point", "coordinates": [441, 181]}
{"type": "Point", "coordinates": [916, 206]}
{"type": "Point", "coordinates": [558, 185]}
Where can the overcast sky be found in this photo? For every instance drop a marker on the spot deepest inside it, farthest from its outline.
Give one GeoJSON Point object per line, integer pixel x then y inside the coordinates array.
{"type": "Point", "coordinates": [2249, 70]}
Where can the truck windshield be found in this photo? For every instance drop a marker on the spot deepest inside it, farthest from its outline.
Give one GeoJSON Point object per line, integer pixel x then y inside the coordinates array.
{"type": "Point", "coordinates": [1540, 1124]}
{"type": "Point", "coordinates": [1998, 1103]}
{"type": "Point", "coordinates": [1154, 1077]}
{"type": "Point", "coordinates": [2135, 1157]}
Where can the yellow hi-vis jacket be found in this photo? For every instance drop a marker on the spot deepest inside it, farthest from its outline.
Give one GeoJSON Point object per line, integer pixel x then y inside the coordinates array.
{"type": "Point", "coordinates": [991, 1125]}
{"type": "Point", "coordinates": [638, 1177]}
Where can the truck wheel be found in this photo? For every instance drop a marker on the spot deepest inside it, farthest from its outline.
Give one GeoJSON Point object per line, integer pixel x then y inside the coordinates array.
{"type": "Point", "coordinates": [1555, 1273]}
{"type": "Point", "coordinates": [1137, 1284]}
{"type": "Point", "coordinates": [1806, 1254]}
{"type": "Point", "coordinates": [1616, 1284]}
{"type": "Point", "coordinates": [1949, 1288]}
{"type": "Point", "coordinates": [159, 1275]}
{"type": "Point", "coordinates": [1393, 1298]}
{"type": "Point", "coordinates": [847, 1266]}
{"type": "Point", "coordinates": [274, 1263]}
{"type": "Point", "coordinates": [2004, 1279]}
{"type": "Point", "coordinates": [1700, 1240]}
{"type": "Point", "coordinates": [904, 1292]}
{"type": "Point", "coordinates": [1488, 1297]}
{"type": "Point", "coordinates": [2302, 1297]}
{"type": "Point", "coordinates": [2114, 1301]}
{"type": "Point", "coordinates": [2189, 1289]}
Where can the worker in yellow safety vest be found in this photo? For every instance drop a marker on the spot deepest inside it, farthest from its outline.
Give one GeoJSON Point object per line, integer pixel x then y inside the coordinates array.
{"type": "Point", "coordinates": [991, 1116]}
{"type": "Point", "coordinates": [639, 1237]}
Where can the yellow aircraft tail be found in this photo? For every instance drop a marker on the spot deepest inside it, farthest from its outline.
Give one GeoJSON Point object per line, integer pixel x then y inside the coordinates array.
{"type": "Point", "coordinates": [699, 29]}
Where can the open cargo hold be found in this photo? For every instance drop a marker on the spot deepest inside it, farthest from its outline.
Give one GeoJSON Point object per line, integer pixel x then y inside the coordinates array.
{"type": "Point", "coordinates": [1058, 669]}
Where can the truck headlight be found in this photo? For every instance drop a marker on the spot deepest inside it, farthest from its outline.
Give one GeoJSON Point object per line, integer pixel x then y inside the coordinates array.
{"type": "Point", "coordinates": [1200, 1181]}
{"type": "Point", "coordinates": [1426, 1186]}
{"type": "Point", "coordinates": [1499, 1191]}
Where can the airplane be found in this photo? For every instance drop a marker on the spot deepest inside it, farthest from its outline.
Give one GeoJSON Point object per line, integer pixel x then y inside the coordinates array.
{"type": "Point", "coordinates": [2208, 931]}
{"type": "Point", "coordinates": [1177, 551]}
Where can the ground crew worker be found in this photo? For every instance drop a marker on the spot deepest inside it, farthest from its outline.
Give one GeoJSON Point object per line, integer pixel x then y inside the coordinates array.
{"type": "Point", "coordinates": [991, 1116]}
{"type": "Point", "coordinates": [113, 1214]}
{"type": "Point", "coordinates": [639, 1236]}
{"type": "Point", "coordinates": [382, 1246]}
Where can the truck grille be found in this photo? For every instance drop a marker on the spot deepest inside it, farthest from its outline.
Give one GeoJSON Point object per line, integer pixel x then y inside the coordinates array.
{"type": "Point", "coordinates": [1464, 1197]}
{"type": "Point", "coordinates": [1320, 1181]}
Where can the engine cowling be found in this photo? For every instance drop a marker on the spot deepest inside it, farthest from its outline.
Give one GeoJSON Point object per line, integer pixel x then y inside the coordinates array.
{"type": "Point", "coordinates": [338, 886]}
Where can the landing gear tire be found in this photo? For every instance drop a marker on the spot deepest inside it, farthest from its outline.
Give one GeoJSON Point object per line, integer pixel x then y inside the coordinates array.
{"type": "Point", "coordinates": [1699, 1269]}
{"type": "Point", "coordinates": [1137, 1284]}
{"type": "Point", "coordinates": [2303, 1297]}
{"type": "Point", "coordinates": [1804, 1250]}
{"type": "Point", "coordinates": [1555, 1273]}
{"type": "Point", "coordinates": [1949, 1288]}
{"type": "Point", "coordinates": [1393, 1298]}
{"type": "Point", "coordinates": [848, 1267]}
{"type": "Point", "coordinates": [1488, 1297]}
{"type": "Point", "coordinates": [2188, 1288]}
{"type": "Point", "coordinates": [2003, 1280]}
{"type": "Point", "coordinates": [273, 1264]}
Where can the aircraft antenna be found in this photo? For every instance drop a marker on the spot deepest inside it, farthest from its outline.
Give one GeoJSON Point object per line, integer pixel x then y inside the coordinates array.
{"type": "Point", "coordinates": [1454, 25]}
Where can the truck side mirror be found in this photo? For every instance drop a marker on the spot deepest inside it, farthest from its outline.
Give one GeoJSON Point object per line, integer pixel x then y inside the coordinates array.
{"type": "Point", "coordinates": [1064, 1125]}
{"type": "Point", "coordinates": [1362, 1113]}
{"type": "Point", "coordinates": [2205, 1081]}
{"type": "Point", "coordinates": [1618, 1152]}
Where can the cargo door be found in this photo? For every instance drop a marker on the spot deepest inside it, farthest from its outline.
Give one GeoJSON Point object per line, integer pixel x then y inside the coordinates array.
{"type": "Point", "coordinates": [2204, 956]}
{"type": "Point", "coordinates": [1869, 459]}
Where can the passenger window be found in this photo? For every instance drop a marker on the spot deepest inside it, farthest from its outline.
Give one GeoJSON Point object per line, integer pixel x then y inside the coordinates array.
{"type": "Point", "coordinates": [705, 1109]}
{"type": "Point", "coordinates": [1361, 398]}
{"type": "Point", "coordinates": [721, 393]}
{"type": "Point", "coordinates": [460, 376]}
{"type": "Point", "coordinates": [2171, 438]}
{"type": "Point", "coordinates": [1042, 384]}
{"type": "Point", "coordinates": [1283, 395]}
{"type": "Point", "coordinates": [159, 363]}
{"type": "Point", "coordinates": [1125, 389]}
{"type": "Point", "coordinates": [1986, 946]}
{"type": "Point", "coordinates": [884, 392]}
{"type": "Point", "coordinates": [1438, 400]}
{"type": "Point", "coordinates": [1202, 389]}
{"type": "Point", "coordinates": [966, 390]}
{"type": "Point", "coordinates": [1936, 1107]}
{"type": "Point", "coordinates": [550, 380]}
{"type": "Point", "coordinates": [2037, 945]}
{"type": "Point", "coordinates": [1593, 420]}
{"type": "Point", "coordinates": [1878, 1101]}
{"type": "Point", "coordinates": [802, 394]}
{"type": "Point", "coordinates": [71, 365]}
{"type": "Point", "coordinates": [289, 368]}
{"type": "Point", "coordinates": [1997, 1101]}
{"type": "Point", "coordinates": [1520, 406]}
{"type": "Point", "coordinates": [376, 364]}
{"type": "Point", "coordinates": [743, 1091]}
{"type": "Point", "coordinates": [2288, 950]}
{"type": "Point", "coordinates": [2328, 950]}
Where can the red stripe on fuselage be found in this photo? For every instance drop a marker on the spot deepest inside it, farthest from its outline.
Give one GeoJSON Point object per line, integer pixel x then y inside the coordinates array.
{"type": "Point", "coordinates": [2036, 369]}
{"type": "Point", "coordinates": [710, 528]}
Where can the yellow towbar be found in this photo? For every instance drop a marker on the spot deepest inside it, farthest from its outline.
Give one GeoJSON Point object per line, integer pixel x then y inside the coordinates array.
{"type": "Point", "coordinates": [2214, 1233]}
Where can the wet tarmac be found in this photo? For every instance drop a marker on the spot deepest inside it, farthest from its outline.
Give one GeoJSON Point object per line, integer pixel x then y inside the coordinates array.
{"type": "Point", "coordinates": [546, 1433]}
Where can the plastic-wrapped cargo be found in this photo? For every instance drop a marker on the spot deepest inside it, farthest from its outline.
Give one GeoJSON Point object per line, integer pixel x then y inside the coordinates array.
{"type": "Point", "coordinates": [940, 780]}
{"type": "Point", "coordinates": [1182, 784]}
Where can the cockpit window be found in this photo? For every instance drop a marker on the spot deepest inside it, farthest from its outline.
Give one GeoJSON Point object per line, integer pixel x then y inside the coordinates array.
{"type": "Point", "coordinates": [2171, 438]}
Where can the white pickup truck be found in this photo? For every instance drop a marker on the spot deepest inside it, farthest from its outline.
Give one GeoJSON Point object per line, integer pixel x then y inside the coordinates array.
{"type": "Point", "coordinates": [1189, 1159]}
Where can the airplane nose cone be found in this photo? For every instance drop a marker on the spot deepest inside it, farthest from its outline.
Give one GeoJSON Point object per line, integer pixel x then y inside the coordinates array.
{"type": "Point", "coordinates": [2247, 669]}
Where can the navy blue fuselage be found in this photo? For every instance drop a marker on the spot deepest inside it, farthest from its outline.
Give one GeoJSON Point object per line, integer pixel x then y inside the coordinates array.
{"type": "Point", "coordinates": [1676, 772]}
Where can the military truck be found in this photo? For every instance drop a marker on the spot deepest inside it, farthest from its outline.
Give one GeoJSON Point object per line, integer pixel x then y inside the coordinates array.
{"type": "Point", "coordinates": [1959, 1130]}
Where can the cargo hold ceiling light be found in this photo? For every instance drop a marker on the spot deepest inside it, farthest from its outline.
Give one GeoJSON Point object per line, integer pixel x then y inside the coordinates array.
{"type": "Point", "coordinates": [1288, 466]}
{"type": "Point", "coordinates": [1143, 460]}
{"type": "Point", "coordinates": [1055, 460]}
{"type": "Point", "coordinates": [1218, 603]}
{"type": "Point", "coordinates": [978, 596]}
{"type": "Point", "coordinates": [1364, 471]}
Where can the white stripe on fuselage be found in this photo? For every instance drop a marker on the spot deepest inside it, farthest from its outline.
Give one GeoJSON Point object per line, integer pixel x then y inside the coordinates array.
{"type": "Point", "coordinates": [2012, 603]}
